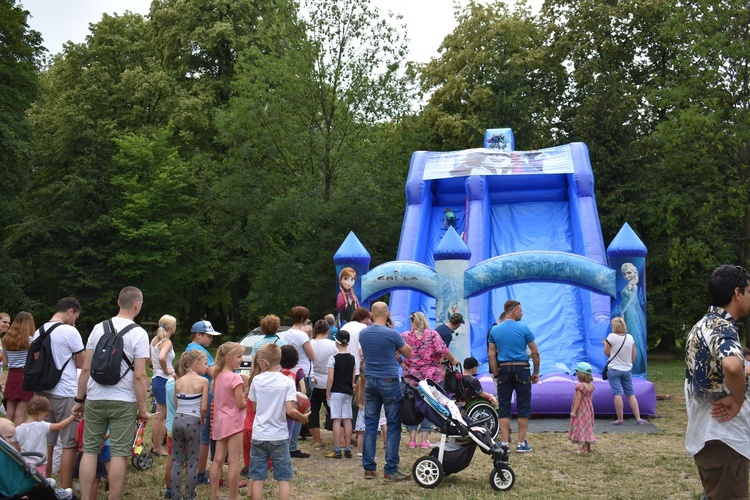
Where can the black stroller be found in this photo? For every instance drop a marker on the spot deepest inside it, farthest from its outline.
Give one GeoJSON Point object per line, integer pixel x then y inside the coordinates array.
{"type": "Point", "coordinates": [461, 436]}
{"type": "Point", "coordinates": [21, 480]}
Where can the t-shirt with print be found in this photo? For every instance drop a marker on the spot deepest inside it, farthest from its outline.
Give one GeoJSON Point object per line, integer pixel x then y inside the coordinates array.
{"type": "Point", "coordinates": [135, 346]}
{"type": "Point", "coordinates": [65, 341]}
{"type": "Point", "coordinates": [712, 339]}
{"type": "Point", "coordinates": [270, 391]}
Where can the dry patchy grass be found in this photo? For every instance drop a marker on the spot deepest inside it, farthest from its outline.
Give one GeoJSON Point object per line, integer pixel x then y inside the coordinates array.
{"type": "Point", "coordinates": [622, 466]}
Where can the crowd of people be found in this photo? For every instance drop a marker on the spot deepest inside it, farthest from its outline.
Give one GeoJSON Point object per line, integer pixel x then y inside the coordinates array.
{"type": "Point", "coordinates": [205, 407]}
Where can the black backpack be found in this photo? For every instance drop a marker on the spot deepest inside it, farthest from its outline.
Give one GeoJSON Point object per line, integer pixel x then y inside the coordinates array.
{"type": "Point", "coordinates": [109, 355]}
{"type": "Point", "coordinates": [41, 373]}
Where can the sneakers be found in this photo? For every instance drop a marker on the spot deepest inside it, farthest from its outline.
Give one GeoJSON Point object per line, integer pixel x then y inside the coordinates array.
{"type": "Point", "coordinates": [335, 454]}
{"type": "Point", "coordinates": [641, 422]}
{"type": "Point", "coordinates": [348, 453]}
{"type": "Point", "coordinates": [616, 422]}
{"type": "Point", "coordinates": [168, 495]}
{"type": "Point", "coordinates": [203, 479]}
{"type": "Point", "coordinates": [397, 476]}
{"type": "Point", "coordinates": [369, 474]}
{"type": "Point", "coordinates": [524, 447]}
{"type": "Point", "coordinates": [299, 454]}
{"type": "Point", "coordinates": [425, 444]}
{"type": "Point", "coordinates": [412, 444]}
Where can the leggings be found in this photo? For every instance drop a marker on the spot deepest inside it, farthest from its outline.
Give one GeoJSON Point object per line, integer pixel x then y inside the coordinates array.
{"type": "Point", "coordinates": [318, 398]}
{"type": "Point", "coordinates": [186, 442]}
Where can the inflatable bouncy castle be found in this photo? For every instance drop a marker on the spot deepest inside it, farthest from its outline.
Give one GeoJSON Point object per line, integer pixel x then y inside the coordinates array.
{"type": "Point", "coordinates": [486, 225]}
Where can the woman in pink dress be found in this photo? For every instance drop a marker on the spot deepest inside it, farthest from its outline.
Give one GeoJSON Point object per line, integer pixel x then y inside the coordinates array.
{"type": "Point", "coordinates": [582, 412]}
{"type": "Point", "coordinates": [427, 353]}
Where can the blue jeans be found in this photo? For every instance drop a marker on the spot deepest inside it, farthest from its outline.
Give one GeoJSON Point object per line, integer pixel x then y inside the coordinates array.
{"type": "Point", "coordinates": [381, 392]}
{"type": "Point", "coordinates": [294, 436]}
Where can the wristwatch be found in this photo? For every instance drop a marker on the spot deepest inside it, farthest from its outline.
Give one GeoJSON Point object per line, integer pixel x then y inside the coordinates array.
{"type": "Point", "coordinates": [80, 400]}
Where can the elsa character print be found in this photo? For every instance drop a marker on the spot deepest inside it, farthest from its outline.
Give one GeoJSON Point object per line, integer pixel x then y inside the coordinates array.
{"type": "Point", "coordinates": [632, 312]}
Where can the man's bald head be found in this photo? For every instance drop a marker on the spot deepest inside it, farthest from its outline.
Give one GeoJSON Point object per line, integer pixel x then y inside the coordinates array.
{"type": "Point", "coordinates": [380, 313]}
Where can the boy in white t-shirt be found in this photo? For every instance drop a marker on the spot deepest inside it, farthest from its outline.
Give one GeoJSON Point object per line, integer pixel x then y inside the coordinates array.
{"type": "Point", "coordinates": [273, 397]}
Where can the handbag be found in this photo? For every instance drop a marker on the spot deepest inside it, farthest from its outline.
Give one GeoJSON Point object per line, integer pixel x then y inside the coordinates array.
{"type": "Point", "coordinates": [606, 367]}
{"type": "Point", "coordinates": [409, 413]}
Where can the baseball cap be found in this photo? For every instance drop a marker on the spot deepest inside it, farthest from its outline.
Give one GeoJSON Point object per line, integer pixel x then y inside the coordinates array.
{"type": "Point", "coordinates": [470, 363]}
{"type": "Point", "coordinates": [583, 367]}
{"type": "Point", "coordinates": [342, 337]}
{"type": "Point", "coordinates": [204, 326]}
{"type": "Point", "coordinates": [457, 318]}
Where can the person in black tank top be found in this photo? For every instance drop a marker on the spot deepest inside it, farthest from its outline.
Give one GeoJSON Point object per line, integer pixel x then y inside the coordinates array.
{"type": "Point", "coordinates": [339, 392]}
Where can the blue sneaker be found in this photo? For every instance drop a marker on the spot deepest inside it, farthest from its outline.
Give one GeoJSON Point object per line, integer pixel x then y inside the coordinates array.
{"type": "Point", "coordinates": [523, 447]}
{"type": "Point", "coordinates": [203, 478]}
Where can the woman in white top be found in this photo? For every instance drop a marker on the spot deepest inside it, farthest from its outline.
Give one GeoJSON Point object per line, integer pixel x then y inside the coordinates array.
{"type": "Point", "coordinates": [162, 356]}
{"type": "Point", "coordinates": [324, 349]}
{"type": "Point", "coordinates": [619, 347]}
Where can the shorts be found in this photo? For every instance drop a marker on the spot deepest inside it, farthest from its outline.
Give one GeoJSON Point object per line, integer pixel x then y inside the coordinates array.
{"type": "Point", "coordinates": [206, 429]}
{"type": "Point", "coordinates": [620, 381]}
{"type": "Point", "coordinates": [60, 411]}
{"type": "Point", "coordinates": [159, 389]}
{"type": "Point", "coordinates": [119, 417]}
{"type": "Point", "coordinates": [278, 453]}
{"type": "Point", "coordinates": [101, 471]}
{"type": "Point", "coordinates": [723, 471]}
{"type": "Point", "coordinates": [341, 405]}
{"type": "Point", "coordinates": [514, 378]}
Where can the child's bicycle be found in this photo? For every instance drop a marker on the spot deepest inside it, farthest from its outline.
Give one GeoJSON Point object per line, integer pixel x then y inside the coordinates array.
{"type": "Point", "coordinates": [141, 460]}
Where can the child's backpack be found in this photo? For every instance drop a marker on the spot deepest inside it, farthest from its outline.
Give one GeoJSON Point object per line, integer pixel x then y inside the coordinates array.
{"type": "Point", "coordinates": [40, 372]}
{"type": "Point", "coordinates": [109, 355]}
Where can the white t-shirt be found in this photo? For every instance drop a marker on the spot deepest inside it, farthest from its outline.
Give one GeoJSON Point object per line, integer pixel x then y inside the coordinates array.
{"type": "Point", "coordinates": [298, 338]}
{"type": "Point", "coordinates": [135, 346]}
{"type": "Point", "coordinates": [624, 359]}
{"type": "Point", "coordinates": [32, 436]}
{"type": "Point", "coordinates": [323, 349]}
{"type": "Point", "coordinates": [65, 341]}
{"type": "Point", "coordinates": [354, 327]}
{"type": "Point", "coordinates": [271, 391]}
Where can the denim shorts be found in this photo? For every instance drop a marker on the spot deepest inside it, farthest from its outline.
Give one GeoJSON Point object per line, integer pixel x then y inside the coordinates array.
{"type": "Point", "coordinates": [206, 429]}
{"type": "Point", "coordinates": [620, 381]}
{"type": "Point", "coordinates": [278, 452]}
{"type": "Point", "coordinates": [159, 388]}
{"type": "Point", "coordinates": [514, 378]}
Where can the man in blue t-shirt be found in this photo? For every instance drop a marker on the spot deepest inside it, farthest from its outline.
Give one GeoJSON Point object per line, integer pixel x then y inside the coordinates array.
{"type": "Point", "coordinates": [509, 363]}
{"type": "Point", "coordinates": [379, 346]}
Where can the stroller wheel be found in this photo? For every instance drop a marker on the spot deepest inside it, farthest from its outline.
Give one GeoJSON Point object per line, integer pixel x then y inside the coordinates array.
{"type": "Point", "coordinates": [145, 461]}
{"type": "Point", "coordinates": [134, 461]}
{"type": "Point", "coordinates": [502, 478]}
{"type": "Point", "coordinates": [427, 472]}
{"type": "Point", "coordinates": [481, 411]}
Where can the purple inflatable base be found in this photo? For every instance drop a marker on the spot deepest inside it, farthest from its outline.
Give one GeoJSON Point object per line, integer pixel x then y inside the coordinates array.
{"type": "Point", "coordinates": [554, 393]}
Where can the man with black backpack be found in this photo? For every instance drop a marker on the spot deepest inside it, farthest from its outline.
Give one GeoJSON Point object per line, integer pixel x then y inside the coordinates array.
{"type": "Point", "coordinates": [51, 371]}
{"type": "Point", "coordinates": [113, 385]}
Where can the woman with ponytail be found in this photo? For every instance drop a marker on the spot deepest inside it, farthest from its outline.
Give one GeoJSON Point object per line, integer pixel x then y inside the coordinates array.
{"type": "Point", "coordinates": [162, 356]}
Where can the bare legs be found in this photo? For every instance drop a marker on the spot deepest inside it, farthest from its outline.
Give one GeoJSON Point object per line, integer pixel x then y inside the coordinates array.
{"type": "Point", "coordinates": [159, 430]}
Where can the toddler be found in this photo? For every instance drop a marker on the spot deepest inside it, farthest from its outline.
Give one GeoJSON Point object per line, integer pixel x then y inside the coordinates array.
{"type": "Point", "coordinates": [339, 392]}
{"type": "Point", "coordinates": [582, 413]}
{"type": "Point", "coordinates": [450, 219]}
{"type": "Point", "coordinates": [32, 434]}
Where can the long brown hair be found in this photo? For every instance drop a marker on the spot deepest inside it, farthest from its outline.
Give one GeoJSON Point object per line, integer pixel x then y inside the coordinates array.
{"type": "Point", "coordinates": [19, 334]}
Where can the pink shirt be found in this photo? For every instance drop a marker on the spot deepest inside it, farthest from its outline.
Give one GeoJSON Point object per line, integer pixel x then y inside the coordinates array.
{"type": "Point", "coordinates": [426, 354]}
{"type": "Point", "coordinates": [227, 418]}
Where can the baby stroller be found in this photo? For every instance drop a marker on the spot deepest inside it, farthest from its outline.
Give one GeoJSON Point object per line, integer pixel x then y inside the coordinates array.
{"type": "Point", "coordinates": [460, 438]}
{"type": "Point", "coordinates": [20, 479]}
{"type": "Point", "coordinates": [473, 406]}
{"type": "Point", "coordinates": [141, 459]}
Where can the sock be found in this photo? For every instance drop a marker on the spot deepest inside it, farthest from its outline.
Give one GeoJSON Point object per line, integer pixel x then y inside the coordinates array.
{"type": "Point", "coordinates": [347, 449]}
{"type": "Point", "coordinates": [337, 449]}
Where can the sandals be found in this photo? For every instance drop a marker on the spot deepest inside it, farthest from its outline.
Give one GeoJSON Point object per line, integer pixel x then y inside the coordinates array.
{"type": "Point", "coordinates": [158, 454]}
{"type": "Point", "coordinates": [582, 450]}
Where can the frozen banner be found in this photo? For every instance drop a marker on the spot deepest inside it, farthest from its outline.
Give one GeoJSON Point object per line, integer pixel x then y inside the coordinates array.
{"type": "Point", "coordinates": [442, 165]}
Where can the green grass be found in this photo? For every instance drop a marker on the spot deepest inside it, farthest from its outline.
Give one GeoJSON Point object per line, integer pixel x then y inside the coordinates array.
{"type": "Point", "coordinates": [622, 466]}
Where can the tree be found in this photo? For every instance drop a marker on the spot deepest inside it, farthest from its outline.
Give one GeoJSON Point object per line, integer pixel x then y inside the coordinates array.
{"type": "Point", "coordinates": [20, 53]}
{"type": "Point", "coordinates": [494, 70]}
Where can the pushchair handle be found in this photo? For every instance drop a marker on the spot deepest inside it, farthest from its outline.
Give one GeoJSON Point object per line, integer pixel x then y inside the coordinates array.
{"type": "Point", "coordinates": [410, 380]}
{"type": "Point", "coordinates": [33, 454]}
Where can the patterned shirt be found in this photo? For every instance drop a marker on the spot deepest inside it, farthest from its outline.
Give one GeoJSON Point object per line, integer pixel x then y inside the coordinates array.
{"type": "Point", "coordinates": [712, 339]}
{"type": "Point", "coordinates": [426, 354]}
